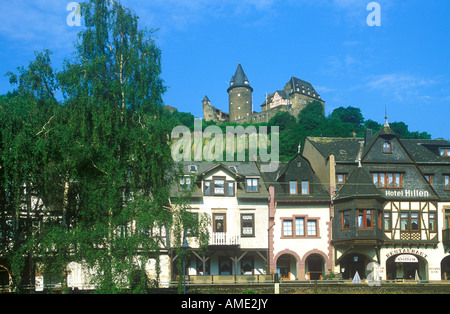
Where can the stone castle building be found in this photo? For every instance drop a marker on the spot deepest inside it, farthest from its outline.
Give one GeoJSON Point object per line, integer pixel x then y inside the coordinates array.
{"type": "Point", "coordinates": [293, 98]}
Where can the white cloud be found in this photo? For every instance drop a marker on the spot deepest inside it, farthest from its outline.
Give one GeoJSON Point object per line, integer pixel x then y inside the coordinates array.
{"type": "Point", "coordinates": [401, 86]}
{"type": "Point", "coordinates": [37, 24]}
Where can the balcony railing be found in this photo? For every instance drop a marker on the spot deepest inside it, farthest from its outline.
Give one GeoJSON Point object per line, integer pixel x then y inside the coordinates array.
{"type": "Point", "coordinates": [224, 238]}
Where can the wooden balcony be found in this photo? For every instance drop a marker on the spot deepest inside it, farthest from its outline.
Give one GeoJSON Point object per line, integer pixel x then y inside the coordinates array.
{"type": "Point", "coordinates": [224, 238]}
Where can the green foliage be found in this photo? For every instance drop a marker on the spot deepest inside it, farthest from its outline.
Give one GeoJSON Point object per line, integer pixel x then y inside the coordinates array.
{"type": "Point", "coordinates": [97, 157]}
{"type": "Point", "coordinates": [342, 122]}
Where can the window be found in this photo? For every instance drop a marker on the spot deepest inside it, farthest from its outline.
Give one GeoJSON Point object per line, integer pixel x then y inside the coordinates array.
{"type": "Point", "coordinates": [387, 221]}
{"type": "Point", "coordinates": [300, 226]}
{"type": "Point", "coordinates": [219, 223]}
{"type": "Point", "coordinates": [447, 219]}
{"type": "Point", "coordinates": [248, 225]}
{"type": "Point", "coordinates": [200, 267]}
{"type": "Point", "coordinates": [404, 222]}
{"type": "Point", "coordinates": [387, 180]}
{"type": "Point", "coordinates": [233, 168]}
{"type": "Point", "coordinates": [429, 177]}
{"type": "Point", "coordinates": [192, 168]}
{"type": "Point", "coordinates": [207, 188]}
{"type": "Point", "coordinates": [305, 187]}
{"type": "Point", "coordinates": [346, 220]}
{"type": "Point", "coordinates": [414, 221]}
{"type": "Point", "coordinates": [340, 178]}
{"type": "Point", "coordinates": [293, 187]}
{"type": "Point", "coordinates": [225, 266]}
{"type": "Point", "coordinates": [230, 188]}
{"type": "Point", "coordinates": [379, 220]}
{"type": "Point", "coordinates": [252, 185]}
{"type": "Point", "coordinates": [445, 152]}
{"type": "Point", "coordinates": [247, 265]}
{"type": "Point", "coordinates": [409, 221]}
{"type": "Point", "coordinates": [312, 227]}
{"type": "Point", "coordinates": [365, 218]}
{"type": "Point", "coordinates": [432, 221]}
{"type": "Point", "coordinates": [447, 182]}
{"type": "Point", "coordinates": [185, 184]}
{"type": "Point", "coordinates": [387, 148]}
{"type": "Point", "coordinates": [219, 186]}
{"type": "Point", "coordinates": [287, 228]}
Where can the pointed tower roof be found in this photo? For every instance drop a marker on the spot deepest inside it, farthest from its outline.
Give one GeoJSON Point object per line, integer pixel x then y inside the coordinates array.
{"type": "Point", "coordinates": [206, 99]}
{"type": "Point", "coordinates": [239, 79]}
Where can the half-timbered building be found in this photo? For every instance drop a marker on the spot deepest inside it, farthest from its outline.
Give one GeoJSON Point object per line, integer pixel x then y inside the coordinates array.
{"type": "Point", "coordinates": [391, 200]}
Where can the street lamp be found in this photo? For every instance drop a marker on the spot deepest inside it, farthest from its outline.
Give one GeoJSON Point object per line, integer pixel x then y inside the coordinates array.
{"type": "Point", "coordinates": [184, 247]}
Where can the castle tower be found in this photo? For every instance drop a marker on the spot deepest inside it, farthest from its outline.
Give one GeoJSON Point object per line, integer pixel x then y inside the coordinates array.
{"type": "Point", "coordinates": [208, 110]}
{"type": "Point", "coordinates": [240, 96]}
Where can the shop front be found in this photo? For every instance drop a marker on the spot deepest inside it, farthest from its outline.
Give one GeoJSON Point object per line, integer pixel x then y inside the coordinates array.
{"type": "Point", "coordinates": [406, 267]}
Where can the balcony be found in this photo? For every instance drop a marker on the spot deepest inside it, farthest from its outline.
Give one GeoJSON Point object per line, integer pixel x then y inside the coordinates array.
{"type": "Point", "coordinates": [224, 238]}
{"type": "Point", "coordinates": [446, 236]}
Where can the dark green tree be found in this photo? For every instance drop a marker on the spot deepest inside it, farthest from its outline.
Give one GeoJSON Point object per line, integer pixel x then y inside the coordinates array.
{"type": "Point", "coordinates": [113, 93]}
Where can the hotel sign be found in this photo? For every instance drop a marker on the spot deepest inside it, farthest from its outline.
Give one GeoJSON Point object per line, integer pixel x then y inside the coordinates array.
{"type": "Point", "coordinates": [407, 193]}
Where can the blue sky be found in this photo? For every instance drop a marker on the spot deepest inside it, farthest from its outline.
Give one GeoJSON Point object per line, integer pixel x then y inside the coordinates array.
{"type": "Point", "coordinates": [402, 65]}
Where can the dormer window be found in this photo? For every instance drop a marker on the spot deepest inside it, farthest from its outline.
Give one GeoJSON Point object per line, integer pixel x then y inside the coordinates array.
{"type": "Point", "coordinates": [252, 185]}
{"type": "Point", "coordinates": [218, 186]}
{"type": "Point", "coordinates": [192, 168]}
{"type": "Point", "coordinates": [340, 178]}
{"type": "Point", "coordinates": [387, 148]}
{"type": "Point", "coordinates": [233, 168]}
{"type": "Point", "coordinates": [445, 152]}
{"type": "Point", "coordinates": [185, 184]}
{"type": "Point", "coordinates": [293, 187]}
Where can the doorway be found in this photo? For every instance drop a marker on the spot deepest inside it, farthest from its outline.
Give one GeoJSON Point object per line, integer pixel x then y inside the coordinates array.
{"type": "Point", "coordinates": [315, 267]}
{"type": "Point", "coordinates": [406, 267]}
{"type": "Point", "coordinates": [352, 263]}
{"type": "Point", "coordinates": [445, 268]}
{"type": "Point", "coordinates": [287, 267]}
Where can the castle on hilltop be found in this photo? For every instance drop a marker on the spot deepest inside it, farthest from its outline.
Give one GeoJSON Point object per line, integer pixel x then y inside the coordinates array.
{"type": "Point", "coordinates": [292, 99]}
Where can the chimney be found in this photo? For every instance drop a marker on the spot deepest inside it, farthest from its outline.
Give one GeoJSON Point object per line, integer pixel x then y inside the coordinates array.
{"type": "Point", "coordinates": [367, 136]}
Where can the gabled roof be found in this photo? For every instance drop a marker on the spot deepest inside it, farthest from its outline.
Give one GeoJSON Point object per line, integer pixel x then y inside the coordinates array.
{"type": "Point", "coordinates": [297, 169]}
{"type": "Point", "coordinates": [269, 99]}
{"type": "Point", "coordinates": [205, 168]}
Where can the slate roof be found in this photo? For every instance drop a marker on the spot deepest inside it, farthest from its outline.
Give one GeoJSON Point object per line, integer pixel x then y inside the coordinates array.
{"type": "Point", "coordinates": [299, 86]}
{"type": "Point", "coordinates": [358, 185]}
{"type": "Point", "coordinates": [347, 149]}
{"type": "Point", "coordinates": [243, 170]}
{"type": "Point", "coordinates": [426, 151]}
{"type": "Point", "coordinates": [239, 79]}
{"type": "Point", "coordinates": [297, 169]}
